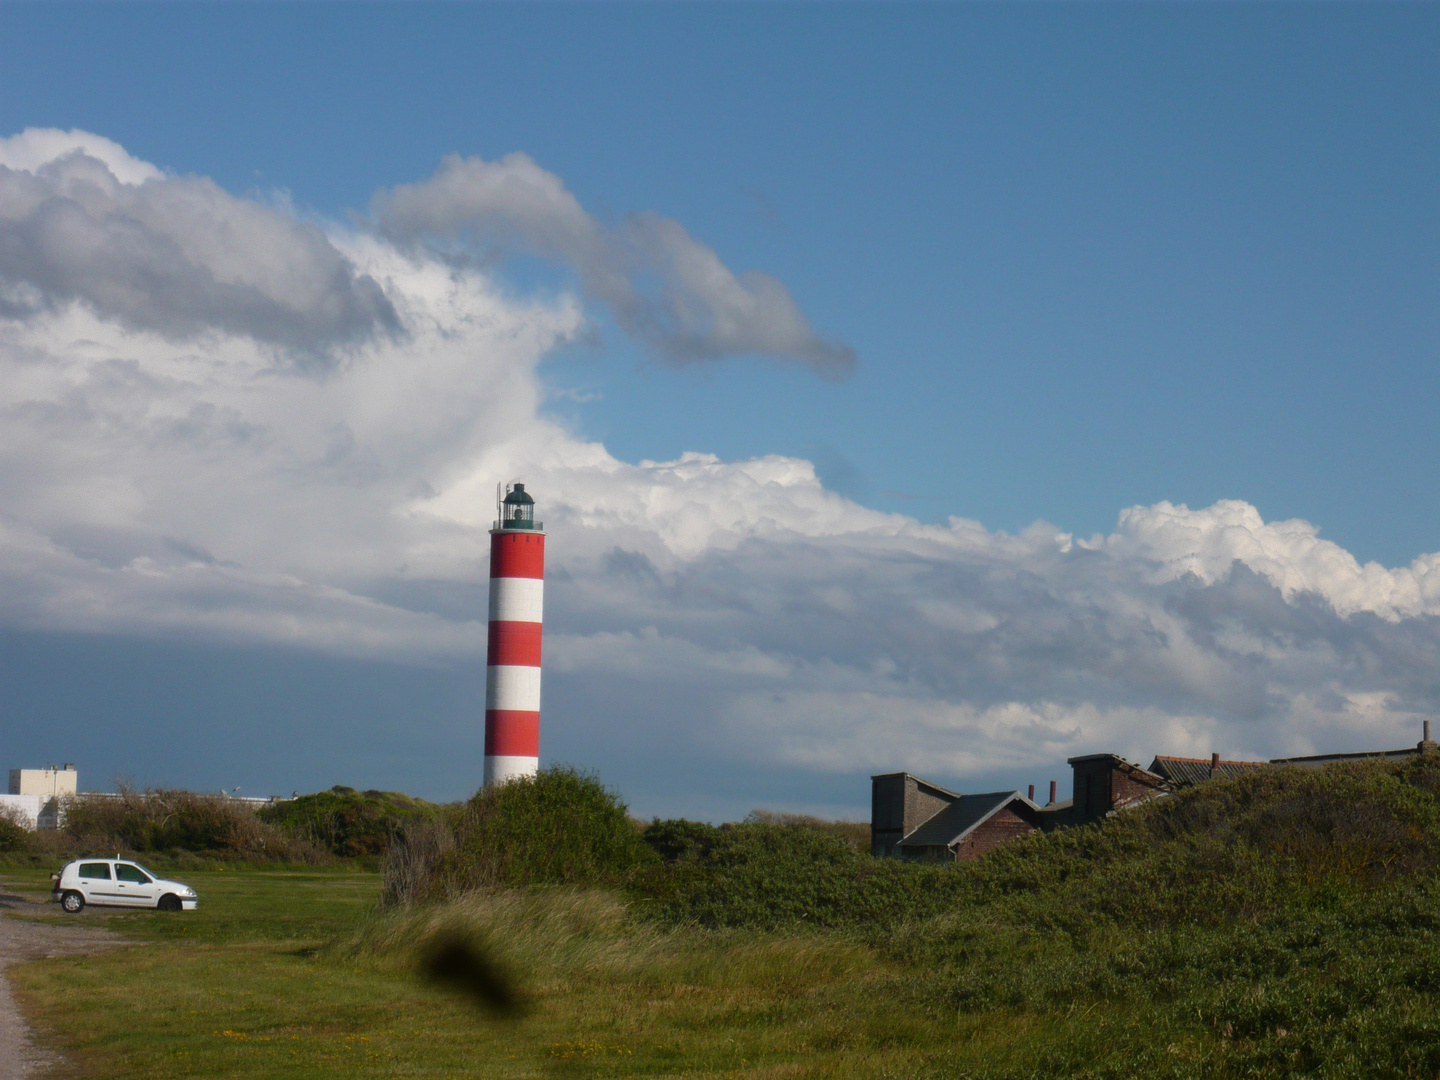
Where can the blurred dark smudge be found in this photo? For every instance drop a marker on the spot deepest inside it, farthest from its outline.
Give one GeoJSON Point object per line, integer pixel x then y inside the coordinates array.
{"type": "Point", "coordinates": [458, 964]}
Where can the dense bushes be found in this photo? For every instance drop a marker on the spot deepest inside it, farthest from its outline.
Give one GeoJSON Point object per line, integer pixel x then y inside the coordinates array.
{"type": "Point", "coordinates": [558, 827]}
{"type": "Point", "coordinates": [767, 876]}
{"type": "Point", "coordinates": [175, 821]}
{"type": "Point", "coordinates": [347, 822]}
{"type": "Point", "coordinates": [14, 833]}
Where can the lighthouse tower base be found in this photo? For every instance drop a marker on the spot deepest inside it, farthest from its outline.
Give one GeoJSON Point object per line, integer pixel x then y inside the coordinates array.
{"type": "Point", "coordinates": [501, 770]}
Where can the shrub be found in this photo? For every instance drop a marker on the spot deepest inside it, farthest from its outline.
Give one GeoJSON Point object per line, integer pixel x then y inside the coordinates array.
{"type": "Point", "coordinates": [416, 862]}
{"type": "Point", "coordinates": [14, 830]}
{"type": "Point", "coordinates": [156, 821]}
{"type": "Point", "coordinates": [347, 822]}
{"type": "Point", "coordinates": [854, 833]}
{"type": "Point", "coordinates": [677, 839]}
{"type": "Point", "coordinates": [558, 827]}
{"type": "Point", "coordinates": [767, 876]}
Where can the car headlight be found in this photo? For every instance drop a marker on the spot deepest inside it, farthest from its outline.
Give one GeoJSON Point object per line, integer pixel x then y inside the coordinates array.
{"type": "Point", "coordinates": [187, 891]}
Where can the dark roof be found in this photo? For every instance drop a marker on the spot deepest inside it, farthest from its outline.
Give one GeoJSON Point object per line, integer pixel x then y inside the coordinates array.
{"type": "Point", "coordinates": [1183, 770]}
{"type": "Point", "coordinates": [1317, 760]}
{"type": "Point", "coordinates": [957, 820]}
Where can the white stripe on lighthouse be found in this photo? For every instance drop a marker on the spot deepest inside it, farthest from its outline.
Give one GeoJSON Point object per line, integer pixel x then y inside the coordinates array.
{"type": "Point", "coordinates": [502, 768]}
{"type": "Point", "coordinates": [509, 686]}
{"type": "Point", "coordinates": [517, 599]}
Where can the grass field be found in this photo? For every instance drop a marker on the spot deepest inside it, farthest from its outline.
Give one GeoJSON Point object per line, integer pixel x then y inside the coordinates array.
{"type": "Point", "coordinates": [285, 974]}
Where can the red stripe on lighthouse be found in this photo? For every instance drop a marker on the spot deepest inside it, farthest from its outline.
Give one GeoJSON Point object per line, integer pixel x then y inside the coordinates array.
{"type": "Point", "coordinates": [517, 554]}
{"type": "Point", "coordinates": [512, 733]}
{"type": "Point", "coordinates": [516, 643]}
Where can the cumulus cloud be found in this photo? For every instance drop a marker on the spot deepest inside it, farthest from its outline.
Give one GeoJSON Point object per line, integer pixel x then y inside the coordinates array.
{"type": "Point", "coordinates": [665, 287]}
{"type": "Point", "coordinates": [702, 610]}
{"type": "Point", "coordinates": [81, 220]}
{"type": "Point", "coordinates": [1289, 554]}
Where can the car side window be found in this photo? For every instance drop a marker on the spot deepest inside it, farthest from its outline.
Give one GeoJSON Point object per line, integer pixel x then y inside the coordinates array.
{"type": "Point", "coordinates": [126, 872]}
{"type": "Point", "coordinates": [95, 870]}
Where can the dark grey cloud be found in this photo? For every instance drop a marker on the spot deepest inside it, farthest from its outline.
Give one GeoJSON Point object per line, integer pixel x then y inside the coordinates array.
{"type": "Point", "coordinates": [666, 288]}
{"type": "Point", "coordinates": [178, 256]}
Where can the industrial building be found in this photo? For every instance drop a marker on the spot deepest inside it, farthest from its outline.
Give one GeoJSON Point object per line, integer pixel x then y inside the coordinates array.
{"type": "Point", "coordinates": [34, 794]}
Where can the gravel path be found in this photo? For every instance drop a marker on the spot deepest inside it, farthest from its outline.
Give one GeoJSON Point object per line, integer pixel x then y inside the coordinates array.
{"type": "Point", "coordinates": [26, 939]}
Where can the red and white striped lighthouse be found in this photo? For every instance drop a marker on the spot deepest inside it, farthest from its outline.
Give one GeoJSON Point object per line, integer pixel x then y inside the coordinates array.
{"type": "Point", "coordinates": [517, 605]}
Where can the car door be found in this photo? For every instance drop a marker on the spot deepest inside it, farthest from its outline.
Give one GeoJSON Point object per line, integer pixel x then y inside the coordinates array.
{"type": "Point", "coordinates": [96, 883]}
{"type": "Point", "coordinates": [135, 887]}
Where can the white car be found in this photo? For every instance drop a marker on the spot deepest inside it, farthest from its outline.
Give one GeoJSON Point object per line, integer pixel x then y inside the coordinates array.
{"type": "Point", "coordinates": [117, 883]}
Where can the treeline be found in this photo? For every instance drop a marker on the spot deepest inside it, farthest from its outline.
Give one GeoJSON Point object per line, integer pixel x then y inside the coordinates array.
{"type": "Point", "coordinates": [341, 823]}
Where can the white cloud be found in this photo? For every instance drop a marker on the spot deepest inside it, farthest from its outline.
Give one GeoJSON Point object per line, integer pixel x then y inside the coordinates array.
{"type": "Point", "coordinates": [1289, 554]}
{"type": "Point", "coordinates": [35, 148]}
{"type": "Point", "coordinates": [160, 483]}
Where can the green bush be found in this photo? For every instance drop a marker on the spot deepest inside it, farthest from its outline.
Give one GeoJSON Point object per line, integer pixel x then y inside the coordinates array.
{"type": "Point", "coordinates": [560, 827]}
{"type": "Point", "coordinates": [173, 821]}
{"type": "Point", "coordinates": [15, 835]}
{"type": "Point", "coordinates": [677, 839]}
{"type": "Point", "coordinates": [768, 876]}
{"type": "Point", "coordinates": [347, 822]}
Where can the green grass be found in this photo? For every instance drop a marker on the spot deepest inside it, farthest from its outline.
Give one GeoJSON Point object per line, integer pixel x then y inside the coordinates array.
{"type": "Point", "coordinates": [292, 974]}
{"type": "Point", "coordinates": [284, 974]}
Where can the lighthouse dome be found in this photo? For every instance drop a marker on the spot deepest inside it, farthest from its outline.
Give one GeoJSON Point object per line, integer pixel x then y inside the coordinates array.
{"type": "Point", "coordinates": [517, 509]}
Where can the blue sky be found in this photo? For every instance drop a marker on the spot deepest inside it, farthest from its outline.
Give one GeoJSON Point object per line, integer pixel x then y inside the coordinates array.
{"type": "Point", "coordinates": [1089, 258]}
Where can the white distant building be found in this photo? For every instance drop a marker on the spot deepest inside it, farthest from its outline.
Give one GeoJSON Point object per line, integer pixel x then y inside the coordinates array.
{"type": "Point", "coordinates": [49, 782]}
{"type": "Point", "coordinates": [35, 794]}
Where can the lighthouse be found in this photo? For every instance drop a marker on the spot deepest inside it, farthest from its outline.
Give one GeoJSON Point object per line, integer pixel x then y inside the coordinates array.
{"type": "Point", "coordinates": [512, 674]}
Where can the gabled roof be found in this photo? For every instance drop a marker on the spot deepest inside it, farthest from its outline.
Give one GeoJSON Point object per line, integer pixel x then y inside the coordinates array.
{"type": "Point", "coordinates": [1183, 771]}
{"type": "Point", "coordinates": [962, 817]}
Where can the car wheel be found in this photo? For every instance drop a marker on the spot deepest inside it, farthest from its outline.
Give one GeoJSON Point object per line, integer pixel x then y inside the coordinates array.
{"type": "Point", "coordinates": [72, 902]}
{"type": "Point", "coordinates": [169, 902]}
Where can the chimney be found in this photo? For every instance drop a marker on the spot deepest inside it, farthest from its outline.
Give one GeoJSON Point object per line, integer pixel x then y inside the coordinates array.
{"type": "Point", "coordinates": [1052, 792]}
{"type": "Point", "coordinates": [1214, 764]}
{"type": "Point", "coordinates": [1427, 745]}
{"type": "Point", "coordinates": [1032, 792]}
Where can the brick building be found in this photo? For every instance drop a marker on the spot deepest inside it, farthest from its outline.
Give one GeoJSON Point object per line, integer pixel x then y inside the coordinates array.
{"type": "Point", "coordinates": [912, 818]}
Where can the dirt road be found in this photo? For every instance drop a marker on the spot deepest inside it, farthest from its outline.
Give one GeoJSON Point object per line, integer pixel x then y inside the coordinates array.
{"type": "Point", "coordinates": [26, 939]}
